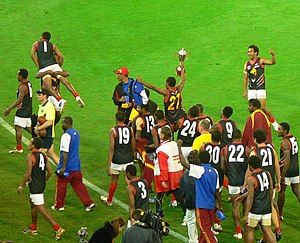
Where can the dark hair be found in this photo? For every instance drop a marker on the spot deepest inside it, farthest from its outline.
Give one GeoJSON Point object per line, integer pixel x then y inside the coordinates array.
{"type": "Point", "coordinates": [193, 112]}
{"type": "Point", "coordinates": [137, 213]}
{"type": "Point", "coordinates": [159, 114]}
{"type": "Point", "coordinates": [23, 72]}
{"type": "Point", "coordinates": [68, 120]}
{"type": "Point", "coordinates": [254, 161]}
{"type": "Point", "coordinates": [205, 124]}
{"type": "Point", "coordinates": [236, 134]}
{"type": "Point", "coordinates": [216, 135]}
{"type": "Point", "coordinates": [120, 116]}
{"type": "Point", "coordinates": [193, 157]}
{"type": "Point", "coordinates": [167, 132]}
{"type": "Point", "coordinates": [255, 103]}
{"type": "Point", "coordinates": [227, 111]}
{"type": "Point", "coordinates": [37, 142]}
{"type": "Point", "coordinates": [171, 81]}
{"type": "Point", "coordinates": [131, 169]}
{"type": "Point", "coordinates": [147, 92]}
{"type": "Point", "coordinates": [260, 135]}
{"type": "Point", "coordinates": [200, 107]}
{"type": "Point", "coordinates": [46, 35]}
{"type": "Point", "coordinates": [204, 156]}
{"type": "Point", "coordinates": [116, 224]}
{"type": "Point", "coordinates": [255, 48]}
{"type": "Point", "coordinates": [285, 126]}
{"type": "Point", "coordinates": [146, 107]}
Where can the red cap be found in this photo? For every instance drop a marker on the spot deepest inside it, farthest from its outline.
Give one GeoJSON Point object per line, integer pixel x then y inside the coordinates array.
{"type": "Point", "coordinates": [122, 70]}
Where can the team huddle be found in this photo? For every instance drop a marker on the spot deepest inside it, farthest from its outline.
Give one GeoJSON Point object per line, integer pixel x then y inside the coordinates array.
{"type": "Point", "coordinates": [185, 154]}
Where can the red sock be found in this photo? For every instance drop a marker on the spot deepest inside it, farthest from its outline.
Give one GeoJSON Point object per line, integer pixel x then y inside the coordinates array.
{"type": "Point", "coordinates": [33, 226]}
{"type": "Point", "coordinates": [173, 198]}
{"type": "Point", "coordinates": [217, 220]}
{"type": "Point", "coordinates": [265, 238]}
{"type": "Point", "coordinates": [280, 214]}
{"type": "Point", "coordinates": [112, 188]}
{"type": "Point", "coordinates": [19, 147]}
{"type": "Point", "coordinates": [225, 183]}
{"type": "Point", "coordinates": [58, 98]}
{"type": "Point", "coordinates": [277, 228]}
{"type": "Point", "coordinates": [272, 119]}
{"type": "Point", "coordinates": [56, 227]}
{"type": "Point", "coordinates": [238, 229]}
{"type": "Point", "coordinates": [76, 94]}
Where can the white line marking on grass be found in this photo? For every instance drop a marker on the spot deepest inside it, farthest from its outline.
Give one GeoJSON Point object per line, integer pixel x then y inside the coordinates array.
{"type": "Point", "coordinates": [89, 184]}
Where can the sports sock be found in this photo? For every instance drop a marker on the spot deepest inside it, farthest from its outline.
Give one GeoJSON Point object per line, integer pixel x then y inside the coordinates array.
{"type": "Point", "coordinates": [173, 197]}
{"type": "Point", "coordinates": [33, 226]}
{"type": "Point", "coordinates": [225, 183]}
{"type": "Point", "coordinates": [238, 229]}
{"type": "Point", "coordinates": [277, 228]}
{"type": "Point", "coordinates": [280, 214]}
{"type": "Point", "coordinates": [58, 98]}
{"type": "Point", "coordinates": [217, 220]}
{"type": "Point", "coordinates": [56, 227]}
{"type": "Point", "coordinates": [112, 189]}
{"type": "Point", "coordinates": [19, 147]}
{"type": "Point", "coordinates": [76, 94]}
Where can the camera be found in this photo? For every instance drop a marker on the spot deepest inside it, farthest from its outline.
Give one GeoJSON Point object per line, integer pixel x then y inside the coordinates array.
{"type": "Point", "coordinates": [151, 220]}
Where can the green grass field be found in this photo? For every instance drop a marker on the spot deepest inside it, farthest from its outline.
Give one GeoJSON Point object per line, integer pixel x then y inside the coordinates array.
{"type": "Point", "coordinates": [97, 37]}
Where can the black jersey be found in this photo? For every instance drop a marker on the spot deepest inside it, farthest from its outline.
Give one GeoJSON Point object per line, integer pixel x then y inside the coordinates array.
{"type": "Point", "coordinates": [25, 108]}
{"type": "Point", "coordinates": [188, 131]}
{"type": "Point", "coordinates": [226, 127]}
{"type": "Point", "coordinates": [173, 106]}
{"type": "Point", "coordinates": [267, 156]}
{"type": "Point", "coordinates": [236, 156]}
{"type": "Point", "coordinates": [256, 75]}
{"type": "Point", "coordinates": [215, 151]}
{"type": "Point", "coordinates": [261, 200]}
{"type": "Point", "coordinates": [293, 170]}
{"type": "Point", "coordinates": [122, 151]}
{"type": "Point", "coordinates": [141, 193]}
{"type": "Point", "coordinates": [45, 53]}
{"type": "Point", "coordinates": [38, 173]}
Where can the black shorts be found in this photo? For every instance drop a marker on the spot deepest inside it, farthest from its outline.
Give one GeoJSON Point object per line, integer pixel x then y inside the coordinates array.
{"type": "Point", "coordinates": [47, 142]}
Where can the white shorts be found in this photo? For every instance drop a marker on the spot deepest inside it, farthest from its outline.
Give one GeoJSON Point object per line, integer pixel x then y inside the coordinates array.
{"type": "Point", "coordinates": [22, 122]}
{"type": "Point", "coordinates": [54, 102]}
{"type": "Point", "coordinates": [234, 189]}
{"type": "Point", "coordinates": [254, 219]}
{"type": "Point", "coordinates": [53, 67]}
{"type": "Point", "coordinates": [116, 169]}
{"type": "Point", "coordinates": [257, 94]}
{"type": "Point", "coordinates": [291, 180]}
{"type": "Point", "coordinates": [37, 199]}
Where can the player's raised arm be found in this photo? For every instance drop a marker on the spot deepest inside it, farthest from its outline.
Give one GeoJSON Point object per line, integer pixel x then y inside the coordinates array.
{"type": "Point", "coordinates": [267, 61]}
{"type": "Point", "coordinates": [183, 77]}
{"type": "Point", "coordinates": [153, 87]}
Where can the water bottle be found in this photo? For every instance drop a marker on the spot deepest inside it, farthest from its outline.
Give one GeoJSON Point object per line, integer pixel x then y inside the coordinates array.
{"type": "Point", "coordinates": [66, 174]}
{"type": "Point", "coordinates": [221, 215]}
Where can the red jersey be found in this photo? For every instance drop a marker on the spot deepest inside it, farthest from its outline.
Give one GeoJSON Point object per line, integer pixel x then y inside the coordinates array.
{"type": "Point", "coordinates": [258, 119]}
